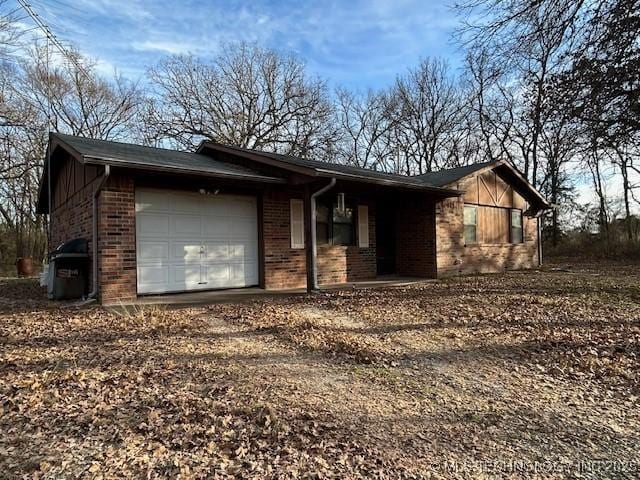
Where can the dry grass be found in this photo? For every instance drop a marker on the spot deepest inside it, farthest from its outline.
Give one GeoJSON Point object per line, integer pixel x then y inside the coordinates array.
{"type": "Point", "coordinates": [522, 375]}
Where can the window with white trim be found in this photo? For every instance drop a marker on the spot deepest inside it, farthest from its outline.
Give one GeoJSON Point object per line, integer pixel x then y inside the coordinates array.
{"type": "Point", "coordinates": [516, 225]}
{"type": "Point", "coordinates": [470, 224]}
{"type": "Point", "coordinates": [297, 223]}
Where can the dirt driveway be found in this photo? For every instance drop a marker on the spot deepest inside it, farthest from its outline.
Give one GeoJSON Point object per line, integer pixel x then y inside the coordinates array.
{"type": "Point", "coordinates": [521, 375]}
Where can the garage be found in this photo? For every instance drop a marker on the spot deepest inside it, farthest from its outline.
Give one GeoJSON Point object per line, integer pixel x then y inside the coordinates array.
{"type": "Point", "coordinates": [192, 241]}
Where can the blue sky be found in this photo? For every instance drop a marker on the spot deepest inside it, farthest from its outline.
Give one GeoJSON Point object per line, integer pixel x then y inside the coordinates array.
{"type": "Point", "coordinates": [354, 43]}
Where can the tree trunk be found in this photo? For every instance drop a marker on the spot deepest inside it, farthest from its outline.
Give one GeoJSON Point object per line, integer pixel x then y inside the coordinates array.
{"type": "Point", "coordinates": [625, 194]}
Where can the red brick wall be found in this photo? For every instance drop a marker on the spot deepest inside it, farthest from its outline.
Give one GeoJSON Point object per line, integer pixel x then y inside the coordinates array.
{"type": "Point", "coordinates": [340, 264]}
{"type": "Point", "coordinates": [450, 236]}
{"type": "Point", "coordinates": [117, 241]}
{"type": "Point", "coordinates": [415, 241]}
{"type": "Point", "coordinates": [72, 215]}
{"type": "Point", "coordinates": [284, 267]}
{"type": "Point", "coordinates": [455, 258]}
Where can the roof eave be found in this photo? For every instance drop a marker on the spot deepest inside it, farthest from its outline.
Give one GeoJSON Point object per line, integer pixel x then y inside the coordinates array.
{"type": "Point", "coordinates": [55, 141]}
{"type": "Point", "coordinates": [116, 162]}
{"type": "Point", "coordinates": [257, 157]}
{"type": "Point", "coordinates": [324, 172]}
{"type": "Point", "coordinates": [446, 192]}
{"type": "Point", "coordinates": [544, 204]}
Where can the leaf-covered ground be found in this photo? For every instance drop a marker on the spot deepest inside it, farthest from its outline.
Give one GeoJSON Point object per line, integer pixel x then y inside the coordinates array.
{"type": "Point", "coordinates": [520, 375]}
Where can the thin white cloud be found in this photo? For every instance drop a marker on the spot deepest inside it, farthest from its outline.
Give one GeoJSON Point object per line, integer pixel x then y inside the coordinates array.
{"type": "Point", "coordinates": [172, 48]}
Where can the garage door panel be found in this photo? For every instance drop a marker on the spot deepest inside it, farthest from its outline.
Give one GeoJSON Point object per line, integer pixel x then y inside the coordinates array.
{"type": "Point", "coordinates": [216, 227]}
{"type": "Point", "coordinates": [217, 276]}
{"type": "Point", "coordinates": [153, 224]}
{"type": "Point", "coordinates": [188, 277]}
{"type": "Point", "coordinates": [193, 242]}
{"type": "Point", "coordinates": [239, 252]}
{"type": "Point", "coordinates": [185, 252]}
{"type": "Point", "coordinates": [216, 206]}
{"type": "Point", "coordinates": [185, 203]}
{"type": "Point", "coordinates": [183, 225]}
{"type": "Point", "coordinates": [152, 201]}
{"type": "Point", "coordinates": [216, 252]}
{"type": "Point", "coordinates": [244, 273]}
{"type": "Point", "coordinates": [154, 278]}
{"type": "Point", "coordinates": [243, 208]}
{"type": "Point", "coordinates": [243, 228]}
{"type": "Point", "coordinates": [153, 251]}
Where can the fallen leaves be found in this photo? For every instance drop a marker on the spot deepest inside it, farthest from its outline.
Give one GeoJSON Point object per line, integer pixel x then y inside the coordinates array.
{"type": "Point", "coordinates": [357, 383]}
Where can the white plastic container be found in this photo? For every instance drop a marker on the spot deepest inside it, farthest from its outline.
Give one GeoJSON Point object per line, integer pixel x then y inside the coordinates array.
{"type": "Point", "coordinates": [44, 275]}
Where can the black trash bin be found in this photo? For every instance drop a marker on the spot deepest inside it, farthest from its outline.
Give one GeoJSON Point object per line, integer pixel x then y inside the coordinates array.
{"type": "Point", "coordinates": [69, 270]}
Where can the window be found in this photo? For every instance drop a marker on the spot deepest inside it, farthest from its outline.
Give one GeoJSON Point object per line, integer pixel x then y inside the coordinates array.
{"type": "Point", "coordinates": [297, 223]}
{"type": "Point", "coordinates": [333, 227]}
{"type": "Point", "coordinates": [343, 226]}
{"type": "Point", "coordinates": [516, 225]}
{"type": "Point", "coordinates": [322, 224]}
{"type": "Point", "coordinates": [470, 225]}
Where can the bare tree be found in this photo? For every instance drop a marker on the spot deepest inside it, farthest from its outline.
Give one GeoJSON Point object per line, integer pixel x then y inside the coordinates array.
{"type": "Point", "coordinates": [427, 109]}
{"type": "Point", "coordinates": [365, 123]}
{"type": "Point", "coordinates": [79, 101]}
{"type": "Point", "coordinates": [483, 109]}
{"type": "Point", "coordinates": [249, 96]}
{"type": "Point", "coordinates": [559, 144]}
{"type": "Point", "coordinates": [530, 40]}
{"type": "Point", "coordinates": [9, 31]}
{"type": "Point", "coordinates": [37, 98]}
{"type": "Point", "coordinates": [623, 156]}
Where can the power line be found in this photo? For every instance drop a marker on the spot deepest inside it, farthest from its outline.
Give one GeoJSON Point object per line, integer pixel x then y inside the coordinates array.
{"type": "Point", "coordinates": [52, 38]}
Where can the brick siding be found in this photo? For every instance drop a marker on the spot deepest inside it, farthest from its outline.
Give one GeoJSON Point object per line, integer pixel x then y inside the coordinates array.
{"type": "Point", "coordinates": [341, 264]}
{"type": "Point", "coordinates": [117, 241]}
{"type": "Point", "coordinates": [284, 267]}
{"type": "Point", "coordinates": [454, 258]}
{"type": "Point", "coordinates": [73, 217]}
{"type": "Point", "coordinates": [415, 241]}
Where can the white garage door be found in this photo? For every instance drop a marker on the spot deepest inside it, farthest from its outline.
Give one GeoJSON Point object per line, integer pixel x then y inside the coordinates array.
{"type": "Point", "coordinates": [190, 241]}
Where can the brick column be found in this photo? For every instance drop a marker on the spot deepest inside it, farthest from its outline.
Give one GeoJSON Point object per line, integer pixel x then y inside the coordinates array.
{"type": "Point", "coordinates": [117, 241]}
{"type": "Point", "coordinates": [284, 267]}
{"type": "Point", "coordinates": [416, 239]}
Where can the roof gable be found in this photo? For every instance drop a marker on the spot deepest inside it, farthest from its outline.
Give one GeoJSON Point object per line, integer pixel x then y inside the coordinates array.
{"type": "Point", "coordinates": [450, 177]}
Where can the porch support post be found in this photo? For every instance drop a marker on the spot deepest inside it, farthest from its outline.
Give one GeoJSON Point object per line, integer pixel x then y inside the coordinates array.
{"type": "Point", "coordinates": [310, 234]}
{"type": "Point", "coordinates": [309, 248]}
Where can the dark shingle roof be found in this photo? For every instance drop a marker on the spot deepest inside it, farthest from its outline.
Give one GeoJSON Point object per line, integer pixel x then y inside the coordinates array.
{"type": "Point", "coordinates": [451, 175]}
{"type": "Point", "coordinates": [138, 156]}
{"type": "Point", "coordinates": [331, 169]}
{"type": "Point", "coordinates": [131, 155]}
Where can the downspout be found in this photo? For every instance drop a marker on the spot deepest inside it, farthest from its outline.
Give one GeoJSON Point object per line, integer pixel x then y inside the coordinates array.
{"type": "Point", "coordinates": [539, 243]}
{"type": "Point", "coordinates": [314, 243]}
{"type": "Point", "coordinates": [94, 241]}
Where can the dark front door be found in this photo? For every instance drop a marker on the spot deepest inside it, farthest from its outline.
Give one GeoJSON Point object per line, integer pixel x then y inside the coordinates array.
{"type": "Point", "coordinates": [385, 240]}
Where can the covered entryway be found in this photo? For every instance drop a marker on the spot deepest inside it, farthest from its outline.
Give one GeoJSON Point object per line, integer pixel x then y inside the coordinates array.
{"type": "Point", "coordinates": [191, 241]}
